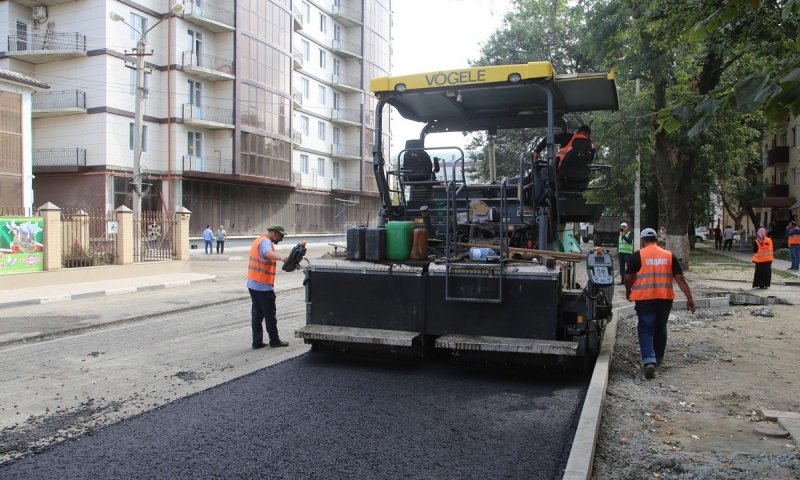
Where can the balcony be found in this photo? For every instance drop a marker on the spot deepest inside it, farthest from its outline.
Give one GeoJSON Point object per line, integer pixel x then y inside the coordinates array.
{"type": "Point", "coordinates": [344, 151]}
{"type": "Point", "coordinates": [346, 116]}
{"type": "Point", "coordinates": [346, 84]}
{"type": "Point", "coordinates": [56, 104]}
{"type": "Point", "coordinates": [48, 47]}
{"type": "Point", "coordinates": [777, 155]}
{"type": "Point", "coordinates": [346, 49]}
{"type": "Point", "coordinates": [207, 117]}
{"type": "Point", "coordinates": [345, 184]}
{"type": "Point", "coordinates": [347, 16]}
{"type": "Point", "coordinates": [777, 191]}
{"type": "Point", "coordinates": [62, 159]}
{"type": "Point", "coordinates": [207, 15]}
{"type": "Point", "coordinates": [195, 164]}
{"type": "Point", "coordinates": [45, 3]}
{"type": "Point", "coordinates": [297, 59]}
{"type": "Point", "coordinates": [297, 137]}
{"type": "Point", "coordinates": [297, 18]}
{"type": "Point", "coordinates": [206, 66]}
{"type": "Point", "coordinates": [297, 98]}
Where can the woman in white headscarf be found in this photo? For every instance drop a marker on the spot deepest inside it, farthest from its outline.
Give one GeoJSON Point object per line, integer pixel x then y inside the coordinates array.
{"type": "Point", "coordinates": [762, 257]}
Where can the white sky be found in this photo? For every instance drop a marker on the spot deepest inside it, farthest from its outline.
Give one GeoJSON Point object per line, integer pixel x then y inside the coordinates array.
{"type": "Point", "coordinates": [431, 35]}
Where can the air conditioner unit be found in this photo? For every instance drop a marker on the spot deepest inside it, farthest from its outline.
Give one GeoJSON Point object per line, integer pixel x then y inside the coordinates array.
{"type": "Point", "coordinates": [40, 13]}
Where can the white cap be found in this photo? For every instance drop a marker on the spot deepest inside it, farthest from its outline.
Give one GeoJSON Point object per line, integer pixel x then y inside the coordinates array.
{"type": "Point", "coordinates": [648, 232]}
{"type": "Point", "coordinates": [623, 224]}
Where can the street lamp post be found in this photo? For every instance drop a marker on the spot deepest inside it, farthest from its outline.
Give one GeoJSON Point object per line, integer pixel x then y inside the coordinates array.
{"type": "Point", "coordinates": [139, 53]}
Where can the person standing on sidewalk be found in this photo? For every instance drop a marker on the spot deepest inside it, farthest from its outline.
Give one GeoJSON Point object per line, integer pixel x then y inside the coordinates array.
{"type": "Point", "coordinates": [793, 239]}
{"type": "Point", "coordinates": [261, 269]}
{"type": "Point", "coordinates": [624, 249]}
{"type": "Point", "coordinates": [220, 236]}
{"type": "Point", "coordinates": [717, 238]}
{"type": "Point", "coordinates": [208, 236]}
{"type": "Point", "coordinates": [728, 238]}
{"type": "Point", "coordinates": [742, 239]}
{"type": "Point", "coordinates": [648, 282]}
{"type": "Point", "coordinates": [762, 257]}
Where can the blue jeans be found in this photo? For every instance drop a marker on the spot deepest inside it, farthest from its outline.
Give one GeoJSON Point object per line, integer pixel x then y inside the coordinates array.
{"type": "Point", "coordinates": [263, 309]}
{"type": "Point", "coordinates": [652, 328]}
{"type": "Point", "coordinates": [794, 251]}
{"type": "Point", "coordinates": [209, 248]}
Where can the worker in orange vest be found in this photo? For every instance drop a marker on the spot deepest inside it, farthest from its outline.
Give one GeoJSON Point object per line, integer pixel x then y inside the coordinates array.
{"type": "Point", "coordinates": [762, 257]}
{"type": "Point", "coordinates": [565, 139]}
{"type": "Point", "coordinates": [261, 284]}
{"type": "Point", "coordinates": [648, 282]}
{"type": "Point", "coordinates": [793, 236]}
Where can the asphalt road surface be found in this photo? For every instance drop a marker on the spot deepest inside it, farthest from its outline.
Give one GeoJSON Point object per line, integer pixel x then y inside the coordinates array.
{"type": "Point", "coordinates": [318, 416]}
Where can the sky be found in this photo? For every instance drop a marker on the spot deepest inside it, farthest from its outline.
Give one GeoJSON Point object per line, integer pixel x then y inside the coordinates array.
{"type": "Point", "coordinates": [432, 35]}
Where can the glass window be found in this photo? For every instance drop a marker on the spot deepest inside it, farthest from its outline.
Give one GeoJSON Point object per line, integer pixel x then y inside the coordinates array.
{"type": "Point", "coordinates": [306, 12]}
{"type": "Point", "coordinates": [306, 49]}
{"type": "Point", "coordinates": [321, 130]}
{"type": "Point", "coordinates": [131, 142]}
{"type": "Point", "coordinates": [194, 145]}
{"type": "Point", "coordinates": [304, 125]}
{"type": "Point", "coordinates": [323, 23]}
{"type": "Point", "coordinates": [336, 170]}
{"type": "Point", "coordinates": [138, 23]}
{"type": "Point", "coordinates": [306, 86]}
{"type": "Point", "coordinates": [320, 166]}
{"type": "Point", "coordinates": [304, 163]}
{"type": "Point", "coordinates": [133, 82]}
{"type": "Point", "coordinates": [323, 57]}
{"type": "Point", "coordinates": [323, 94]}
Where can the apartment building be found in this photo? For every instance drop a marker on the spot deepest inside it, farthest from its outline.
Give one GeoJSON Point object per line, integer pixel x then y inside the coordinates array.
{"type": "Point", "coordinates": [224, 131]}
{"type": "Point", "coordinates": [781, 163]}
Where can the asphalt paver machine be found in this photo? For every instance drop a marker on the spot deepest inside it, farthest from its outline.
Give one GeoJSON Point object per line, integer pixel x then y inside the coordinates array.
{"type": "Point", "coordinates": [494, 269]}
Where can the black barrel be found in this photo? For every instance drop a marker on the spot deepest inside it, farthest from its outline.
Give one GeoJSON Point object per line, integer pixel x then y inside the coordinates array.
{"type": "Point", "coordinates": [376, 244]}
{"type": "Point", "coordinates": [356, 243]}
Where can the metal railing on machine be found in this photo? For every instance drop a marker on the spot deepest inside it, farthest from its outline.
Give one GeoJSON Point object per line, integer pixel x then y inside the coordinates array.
{"type": "Point", "coordinates": [88, 238]}
{"type": "Point", "coordinates": [154, 242]}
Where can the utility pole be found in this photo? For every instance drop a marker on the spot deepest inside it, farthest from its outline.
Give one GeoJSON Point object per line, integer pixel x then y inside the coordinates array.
{"type": "Point", "coordinates": [637, 203]}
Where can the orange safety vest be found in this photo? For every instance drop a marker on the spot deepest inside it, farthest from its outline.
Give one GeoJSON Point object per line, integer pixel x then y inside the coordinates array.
{"type": "Point", "coordinates": [764, 253]}
{"type": "Point", "coordinates": [562, 152]}
{"type": "Point", "coordinates": [653, 281]}
{"type": "Point", "coordinates": [260, 269]}
{"type": "Point", "coordinates": [795, 238]}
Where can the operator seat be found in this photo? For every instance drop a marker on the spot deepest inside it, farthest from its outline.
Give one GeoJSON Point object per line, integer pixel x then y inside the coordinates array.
{"type": "Point", "coordinates": [573, 172]}
{"type": "Point", "coordinates": [417, 167]}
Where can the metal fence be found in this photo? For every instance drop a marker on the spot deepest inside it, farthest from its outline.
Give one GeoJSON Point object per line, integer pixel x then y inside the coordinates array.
{"type": "Point", "coordinates": [59, 157]}
{"type": "Point", "coordinates": [53, 42]}
{"type": "Point", "coordinates": [58, 100]}
{"type": "Point", "coordinates": [88, 238]}
{"type": "Point", "coordinates": [8, 211]}
{"type": "Point", "coordinates": [154, 242]}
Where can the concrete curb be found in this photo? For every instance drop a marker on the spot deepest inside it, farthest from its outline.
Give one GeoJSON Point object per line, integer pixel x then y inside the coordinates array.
{"type": "Point", "coordinates": [581, 455]}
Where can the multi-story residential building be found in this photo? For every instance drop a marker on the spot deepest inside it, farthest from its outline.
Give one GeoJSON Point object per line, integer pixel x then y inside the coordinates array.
{"type": "Point", "coordinates": [255, 111]}
{"type": "Point", "coordinates": [781, 171]}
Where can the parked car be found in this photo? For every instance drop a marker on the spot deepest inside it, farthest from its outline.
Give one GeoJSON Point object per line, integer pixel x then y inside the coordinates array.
{"type": "Point", "coordinates": [702, 233]}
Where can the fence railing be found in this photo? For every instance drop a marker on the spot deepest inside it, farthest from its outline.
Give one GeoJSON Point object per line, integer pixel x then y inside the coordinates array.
{"type": "Point", "coordinates": [346, 81]}
{"type": "Point", "coordinates": [344, 46]}
{"type": "Point", "coordinates": [345, 184]}
{"type": "Point", "coordinates": [344, 150]}
{"type": "Point", "coordinates": [347, 12]}
{"type": "Point", "coordinates": [154, 237]}
{"type": "Point", "coordinates": [192, 163]}
{"type": "Point", "coordinates": [202, 8]}
{"type": "Point", "coordinates": [346, 115]}
{"type": "Point", "coordinates": [192, 59]}
{"type": "Point", "coordinates": [56, 100]}
{"type": "Point", "coordinates": [87, 238]}
{"type": "Point", "coordinates": [208, 114]}
{"type": "Point", "coordinates": [59, 157]}
{"type": "Point", "coordinates": [52, 42]}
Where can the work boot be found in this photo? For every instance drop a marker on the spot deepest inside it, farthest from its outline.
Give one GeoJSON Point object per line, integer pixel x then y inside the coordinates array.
{"type": "Point", "coordinates": [649, 371]}
{"type": "Point", "coordinates": [278, 344]}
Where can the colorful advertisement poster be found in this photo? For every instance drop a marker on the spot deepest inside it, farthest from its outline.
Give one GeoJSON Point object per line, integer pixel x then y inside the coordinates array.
{"type": "Point", "coordinates": [21, 248]}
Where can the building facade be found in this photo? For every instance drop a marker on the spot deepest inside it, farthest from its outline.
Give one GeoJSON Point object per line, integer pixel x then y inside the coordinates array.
{"type": "Point", "coordinates": [781, 171]}
{"type": "Point", "coordinates": [225, 133]}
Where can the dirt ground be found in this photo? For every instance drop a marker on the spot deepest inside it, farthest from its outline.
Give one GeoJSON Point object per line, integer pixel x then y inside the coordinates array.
{"type": "Point", "coordinates": [696, 419]}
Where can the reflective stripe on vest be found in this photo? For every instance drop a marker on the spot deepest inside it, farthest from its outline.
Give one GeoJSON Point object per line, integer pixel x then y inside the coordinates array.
{"type": "Point", "coordinates": [624, 247]}
{"type": "Point", "coordinates": [566, 148]}
{"type": "Point", "coordinates": [794, 239]}
{"type": "Point", "coordinates": [653, 281]}
{"type": "Point", "coordinates": [260, 269]}
{"type": "Point", "coordinates": [764, 253]}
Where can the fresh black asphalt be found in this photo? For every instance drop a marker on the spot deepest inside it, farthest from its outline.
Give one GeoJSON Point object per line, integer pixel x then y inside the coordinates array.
{"type": "Point", "coordinates": [319, 416]}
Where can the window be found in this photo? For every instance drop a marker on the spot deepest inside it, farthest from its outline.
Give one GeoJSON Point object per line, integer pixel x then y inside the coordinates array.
{"type": "Point", "coordinates": [195, 93]}
{"type": "Point", "coordinates": [306, 49]}
{"type": "Point", "coordinates": [23, 30]}
{"type": "Point", "coordinates": [131, 140]}
{"type": "Point", "coordinates": [320, 166]}
{"type": "Point", "coordinates": [337, 100]}
{"type": "Point", "coordinates": [306, 86]}
{"type": "Point", "coordinates": [195, 41]}
{"type": "Point", "coordinates": [133, 82]}
{"type": "Point", "coordinates": [194, 144]}
{"type": "Point", "coordinates": [138, 23]}
{"type": "Point", "coordinates": [336, 170]}
{"type": "Point", "coordinates": [337, 66]}
{"type": "Point", "coordinates": [323, 57]}
{"type": "Point", "coordinates": [306, 12]}
{"type": "Point", "coordinates": [304, 125]}
{"type": "Point", "coordinates": [337, 32]}
{"type": "Point", "coordinates": [323, 23]}
{"type": "Point", "coordinates": [323, 94]}
{"type": "Point", "coordinates": [304, 163]}
{"type": "Point", "coordinates": [321, 130]}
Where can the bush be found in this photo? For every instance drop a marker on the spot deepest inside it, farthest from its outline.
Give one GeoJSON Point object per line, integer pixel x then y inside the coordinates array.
{"type": "Point", "coordinates": [782, 254]}
{"type": "Point", "coordinates": [78, 257]}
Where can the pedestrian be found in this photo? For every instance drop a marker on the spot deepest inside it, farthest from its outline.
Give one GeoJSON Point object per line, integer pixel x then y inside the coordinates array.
{"type": "Point", "coordinates": [261, 269]}
{"type": "Point", "coordinates": [728, 234]}
{"type": "Point", "coordinates": [220, 236]}
{"type": "Point", "coordinates": [717, 238]}
{"type": "Point", "coordinates": [648, 282]}
{"type": "Point", "coordinates": [762, 257]}
{"type": "Point", "coordinates": [208, 236]}
{"type": "Point", "coordinates": [624, 249]}
{"type": "Point", "coordinates": [742, 239]}
{"type": "Point", "coordinates": [793, 236]}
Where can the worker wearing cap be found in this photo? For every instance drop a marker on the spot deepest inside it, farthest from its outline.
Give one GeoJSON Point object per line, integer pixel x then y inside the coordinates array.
{"type": "Point", "coordinates": [261, 268]}
{"type": "Point", "coordinates": [648, 282]}
{"type": "Point", "coordinates": [624, 249]}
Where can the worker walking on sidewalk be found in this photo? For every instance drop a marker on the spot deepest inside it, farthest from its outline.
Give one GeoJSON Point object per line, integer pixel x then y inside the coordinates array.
{"type": "Point", "coordinates": [261, 269]}
{"type": "Point", "coordinates": [624, 249]}
{"type": "Point", "coordinates": [793, 236]}
{"type": "Point", "coordinates": [648, 282]}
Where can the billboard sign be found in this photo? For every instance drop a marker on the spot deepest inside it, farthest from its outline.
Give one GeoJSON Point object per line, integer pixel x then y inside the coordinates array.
{"type": "Point", "coordinates": [21, 248]}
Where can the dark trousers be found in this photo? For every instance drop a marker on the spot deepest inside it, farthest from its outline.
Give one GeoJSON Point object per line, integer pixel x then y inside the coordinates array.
{"type": "Point", "coordinates": [728, 244]}
{"type": "Point", "coordinates": [220, 246]}
{"type": "Point", "coordinates": [762, 277]}
{"type": "Point", "coordinates": [624, 259]}
{"type": "Point", "coordinates": [717, 243]}
{"type": "Point", "coordinates": [263, 308]}
{"type": "Point", "coordinates": [652, 328]}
